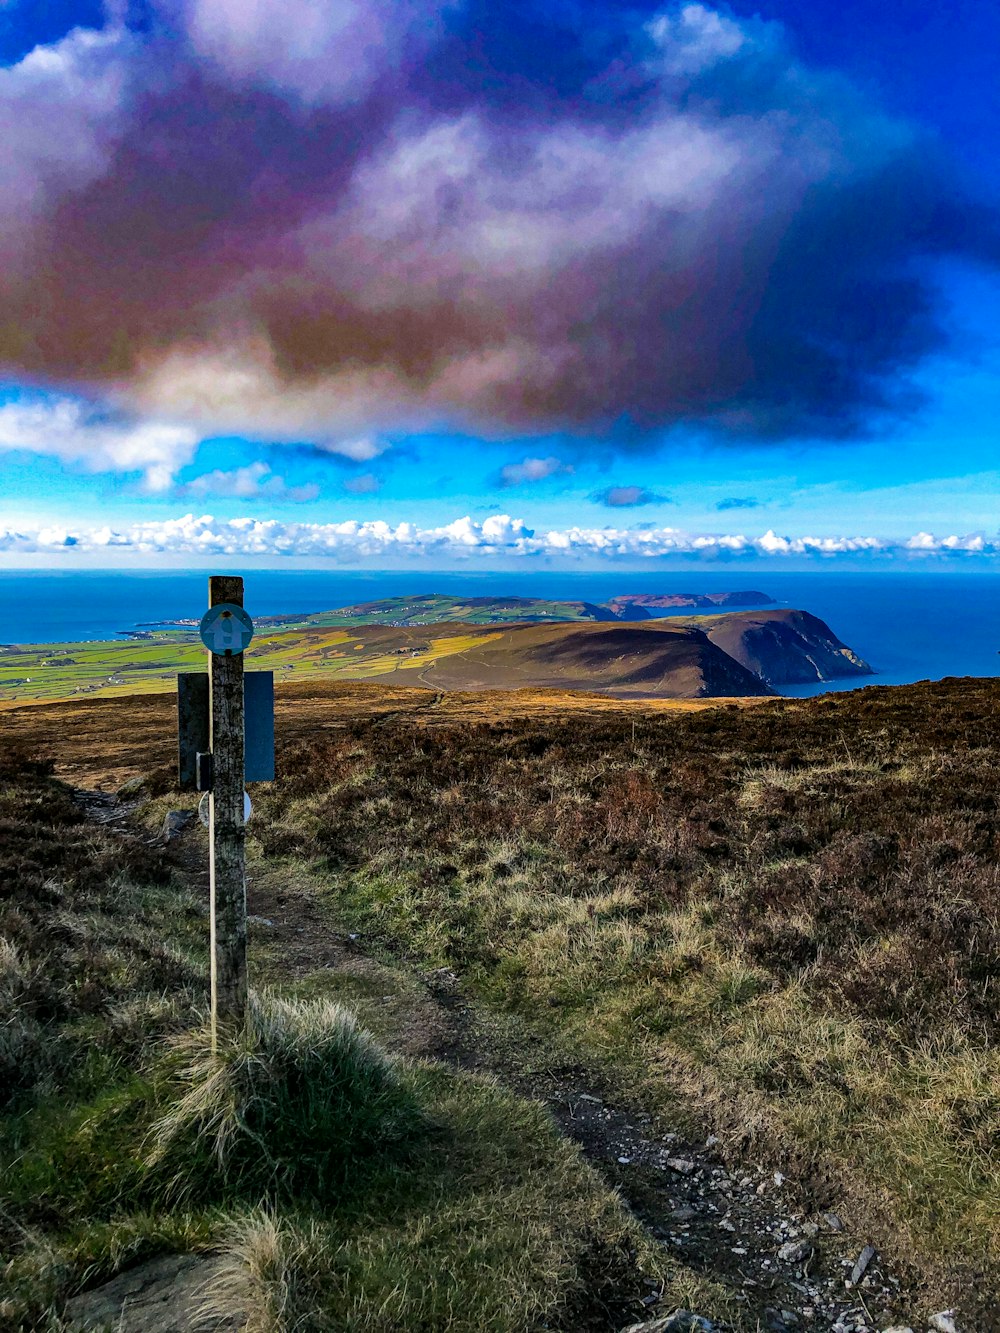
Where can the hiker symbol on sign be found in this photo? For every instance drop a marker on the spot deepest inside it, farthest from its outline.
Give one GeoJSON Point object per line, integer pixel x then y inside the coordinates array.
{"type": "Point", "coordinates": [226, 629]}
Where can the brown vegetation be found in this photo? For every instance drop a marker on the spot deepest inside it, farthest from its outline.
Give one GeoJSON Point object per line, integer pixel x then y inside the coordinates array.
{"type": "Point", "coordinates": [791, 909]}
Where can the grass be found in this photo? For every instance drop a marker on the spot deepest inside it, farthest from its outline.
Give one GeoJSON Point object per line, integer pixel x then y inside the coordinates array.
{"type": "Point", "coordinates": [496, 1225]}
{"type": "Point", "coordinates": [120, 669]}
{"type": "Point", "coordinates": [790, 912]}
{"type": "Point", "coordinates": [288, 1107]}
{"type": "Point", "coordinates": [362, 1191]}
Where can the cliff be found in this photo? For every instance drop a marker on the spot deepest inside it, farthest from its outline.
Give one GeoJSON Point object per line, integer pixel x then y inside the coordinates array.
{"type": "Point", "coordinates": [785, 646]}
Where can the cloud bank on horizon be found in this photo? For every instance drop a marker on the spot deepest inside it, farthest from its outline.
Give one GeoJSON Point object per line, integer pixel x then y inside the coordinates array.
{"type": "Point", "coordinates": [319, 219]}
{"type": "Point", "coordinates": [356, 542]}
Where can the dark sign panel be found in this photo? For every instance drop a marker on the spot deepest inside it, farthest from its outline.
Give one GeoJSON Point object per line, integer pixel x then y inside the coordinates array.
{"type": "Point", "coordinates": [193, 728]}
{"type": "Point", "coordinates": [258, 695]}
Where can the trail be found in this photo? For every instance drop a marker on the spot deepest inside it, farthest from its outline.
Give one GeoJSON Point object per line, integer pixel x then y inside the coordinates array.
{"type": "Point", "coordinates": [735, 1221]}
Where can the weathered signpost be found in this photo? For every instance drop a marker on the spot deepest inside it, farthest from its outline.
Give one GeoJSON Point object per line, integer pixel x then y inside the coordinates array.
{"type": "Point", "coordinates": [226, 739]}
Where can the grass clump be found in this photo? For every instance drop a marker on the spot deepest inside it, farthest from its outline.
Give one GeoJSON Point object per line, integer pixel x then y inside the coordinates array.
{"type": "Point", "coordinates": [287, 1107]}
{"type": "Point", "coordinates": [495, 1224]}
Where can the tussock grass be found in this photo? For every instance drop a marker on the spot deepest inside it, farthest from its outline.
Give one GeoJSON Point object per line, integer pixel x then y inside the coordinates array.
{"type": "Point", "coordinates": [496, 1224]}
{"type": "Point", "coordinates": [287, 1107]}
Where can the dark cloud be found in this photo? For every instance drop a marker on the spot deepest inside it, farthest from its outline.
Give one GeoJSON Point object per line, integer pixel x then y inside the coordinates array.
{"type": "Point", "coordinates": [739, 502]}
{"type": "Point", "coordinates": [310, 220]}
{"type": "Point", "coordinates": [628, 497]}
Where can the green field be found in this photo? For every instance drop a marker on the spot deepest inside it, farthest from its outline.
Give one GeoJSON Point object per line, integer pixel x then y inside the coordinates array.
{"type": "Point", "coordinates": [143, 666]}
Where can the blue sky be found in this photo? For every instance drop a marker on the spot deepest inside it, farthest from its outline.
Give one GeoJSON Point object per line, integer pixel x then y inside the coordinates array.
{"type": "Point", "coordinates": [605, 298]}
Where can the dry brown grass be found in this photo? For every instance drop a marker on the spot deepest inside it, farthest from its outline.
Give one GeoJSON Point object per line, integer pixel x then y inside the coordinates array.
{"type": "Point", "coordinates": [791, 910]}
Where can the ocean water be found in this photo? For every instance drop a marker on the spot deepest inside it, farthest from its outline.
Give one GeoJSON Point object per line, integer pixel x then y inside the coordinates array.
{"type": "Point", "coordinates": [909, 627]}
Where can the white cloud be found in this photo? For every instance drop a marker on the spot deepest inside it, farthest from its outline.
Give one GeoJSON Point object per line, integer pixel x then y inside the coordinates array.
{"type": "Point", "coordinates": [255, 481]}
{"type": "Point", "coordinates": [497, 535]}
{"type": "Point", "coordinates": [695, 39]}
{"type": "Point", "coordinates": [66, 429]}
{"type": "Point", "coordinates": [532, 469]}
{"type": "Point", "coordinates": [973, 543]}
{"type": "Point", "coordinates": [362, 450]}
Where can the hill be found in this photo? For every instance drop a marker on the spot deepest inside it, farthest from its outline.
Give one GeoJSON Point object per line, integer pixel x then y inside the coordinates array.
{"type": "Point", "coordinates": [666, 657]}
{"type": "Point", "coordinates": [785, 647]}
{"type": "Point", "coordinates": [439, 608]}
{"type": "Point", "coordinates": [639, 606]}
{"type": "Point", "coordinates": [745, 957]}
{"type": "Point", "coordinates": [644, 660]}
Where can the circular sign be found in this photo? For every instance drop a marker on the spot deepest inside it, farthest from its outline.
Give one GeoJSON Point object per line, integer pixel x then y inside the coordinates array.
{"type": "Point", "coordinates": [203, 808]}
{"type": "Point", "coordinates": [226, 629]}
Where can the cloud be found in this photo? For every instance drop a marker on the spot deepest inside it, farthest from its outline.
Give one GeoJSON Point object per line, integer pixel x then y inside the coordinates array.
{"type": "Point", "coordinates": [255, 481]}
{"type": "Point", "coordinates": [498, 536]}
{"type": "Point", "coordinates": [69, 430]}
{"type": "Point", "coordinates": [972, 543]}
{"type": "Point", "coordinates": [628, 497]}
{"type": "Point", "coordinates": [365, 484]}
{"type": "Point", "coordinates": [361, 450]}
{"type": "Point", "coordinates": [738, 502]}
{"type": "Point", "coordinates": [532, 469]}
{"type": "Point", "coordinates": [311, 221]}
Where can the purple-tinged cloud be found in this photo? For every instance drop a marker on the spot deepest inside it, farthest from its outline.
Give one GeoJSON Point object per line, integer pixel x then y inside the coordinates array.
{"type": "Point", "coordinates": [629, 497]}
{"type": "Point", "coordinates": [533, 469]}
{"type": "Point", "coordinates": [311, 221]}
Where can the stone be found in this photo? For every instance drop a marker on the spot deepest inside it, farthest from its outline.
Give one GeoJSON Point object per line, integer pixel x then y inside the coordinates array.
{"type": "Point", "coordinates": [861, 1267]}
{"type": "Point", "coordinates": [898, 1328]}
{"type": "Point", "coordinates": [132, 788]}
{"type": "Point", "coordinates": [681, 1321]}
{"type": "Point", "coordinates": [779, 1179]}
{"type": "Point", "coordinates": [833, 1221]}
{"type": "Point", "coordinates": [944, 1322]}
{"type": "Point", "coordinates": [682, 1165]}
{"type": "Point", "coordinates": [795, 1251]}
{"type": "Point", "coordinates": [174, 824]}
{"type": "Point", "coordinates": [165, 1295]}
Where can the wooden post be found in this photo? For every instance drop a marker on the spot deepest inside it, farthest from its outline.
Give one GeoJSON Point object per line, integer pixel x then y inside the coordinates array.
{"type": "Point", "coordinates": [226, 826]}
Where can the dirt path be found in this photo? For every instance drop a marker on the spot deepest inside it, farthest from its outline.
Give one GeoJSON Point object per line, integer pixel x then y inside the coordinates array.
{"type": "Point", "coordinates": [734, 1221]}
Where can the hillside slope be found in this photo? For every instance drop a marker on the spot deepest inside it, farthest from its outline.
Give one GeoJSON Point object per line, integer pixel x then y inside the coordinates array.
{"type": "Point", "coordinates": [623, 660]}
{"type": "Point", "coordinates": [785, 646]}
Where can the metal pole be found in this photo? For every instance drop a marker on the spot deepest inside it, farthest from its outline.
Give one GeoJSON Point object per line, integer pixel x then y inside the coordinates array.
{"type": "Point", "coordinates": [226, 826]}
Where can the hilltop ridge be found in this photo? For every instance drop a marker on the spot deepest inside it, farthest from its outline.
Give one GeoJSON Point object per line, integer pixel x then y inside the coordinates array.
{"type": "Point", "coordinates": [440, 608]}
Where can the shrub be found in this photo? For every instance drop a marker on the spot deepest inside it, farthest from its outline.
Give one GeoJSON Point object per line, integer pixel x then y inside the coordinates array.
{"type": "Point", "coordinates": [290, 1106]}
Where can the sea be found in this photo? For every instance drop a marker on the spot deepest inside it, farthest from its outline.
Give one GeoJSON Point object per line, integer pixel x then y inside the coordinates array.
{"type": "Point", "coordinates": [908, 626]}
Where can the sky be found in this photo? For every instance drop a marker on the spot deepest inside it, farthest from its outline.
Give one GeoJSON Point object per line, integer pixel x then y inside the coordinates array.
{"type": "Point", "coordinates": [394, 282]}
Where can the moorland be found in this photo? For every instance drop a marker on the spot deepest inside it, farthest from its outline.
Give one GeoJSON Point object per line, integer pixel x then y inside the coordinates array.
{"type": "Point", "coordinates": [757, 940]}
